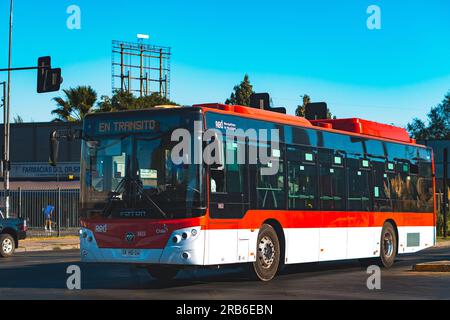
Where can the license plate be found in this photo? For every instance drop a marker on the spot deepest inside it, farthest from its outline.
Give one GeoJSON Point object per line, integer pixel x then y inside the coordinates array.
{"type": "Point", "coordinates": [131, 253]}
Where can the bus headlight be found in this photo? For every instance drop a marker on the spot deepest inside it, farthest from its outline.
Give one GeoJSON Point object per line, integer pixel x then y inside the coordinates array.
{"type": "Point", "coordinates": [185, 235]}
{"type": "Point", "coordinates": [186, 255]}
{"type": "Point", "coordinates": [176, 239]}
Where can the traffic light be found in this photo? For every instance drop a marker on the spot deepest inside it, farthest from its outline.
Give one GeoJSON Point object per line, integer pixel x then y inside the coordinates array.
{"type": "Point", "coordinates": [54, 80]}
{"type": "Point", "coordinates": [48, 80]}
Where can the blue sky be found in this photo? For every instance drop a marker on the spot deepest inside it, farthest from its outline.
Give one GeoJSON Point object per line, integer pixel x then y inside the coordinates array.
{"type": "Point", "coordinates": [288, 48]}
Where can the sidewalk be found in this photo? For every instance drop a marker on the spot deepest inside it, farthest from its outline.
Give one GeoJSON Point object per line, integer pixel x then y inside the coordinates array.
{"type": "Point", "coordinates": [443, 243]}
{"type": "Point", "coordinates": [49, 244]}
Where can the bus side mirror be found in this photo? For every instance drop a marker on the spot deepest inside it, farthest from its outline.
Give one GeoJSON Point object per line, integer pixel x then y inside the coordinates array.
{"type": "Point", "coordinates": [54, 148]}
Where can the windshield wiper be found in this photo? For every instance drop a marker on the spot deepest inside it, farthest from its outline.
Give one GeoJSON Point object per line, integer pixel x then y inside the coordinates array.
{"type": "Point", "coordinates": [112, 197]}
{"type": "Point", "coordinates": [141, 192]}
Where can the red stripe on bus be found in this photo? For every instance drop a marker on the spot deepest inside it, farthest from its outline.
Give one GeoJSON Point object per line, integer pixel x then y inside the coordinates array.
{"type": "Point", "coordinates": [320, 219]}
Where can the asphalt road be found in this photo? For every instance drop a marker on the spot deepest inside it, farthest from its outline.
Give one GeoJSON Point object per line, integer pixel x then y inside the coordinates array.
{"type": "Point", "coordinates": [43, 276]}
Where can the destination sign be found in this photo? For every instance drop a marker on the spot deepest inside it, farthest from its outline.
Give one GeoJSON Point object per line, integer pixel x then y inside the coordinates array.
{"type": "Point", "coordinates": [130, 126]}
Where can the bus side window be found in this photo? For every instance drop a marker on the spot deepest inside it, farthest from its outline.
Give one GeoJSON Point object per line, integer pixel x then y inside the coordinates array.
{"type": "Point", "coordinates": [425, 187]}
{"type": "Point", "coordinates": [230, 178]}
{"type": "Point", "coordinates": [332, 181]}
{"type": "Point", "coordinates": [270, 189]}
{"type": "Point", "coordinates": [358, 184]}
{"type": "Point", "coordinates": [381, 187]}
{"type": "Point", "coordinates": [302, 178]}
{"type": "Point", "coordinates": [403, 188]}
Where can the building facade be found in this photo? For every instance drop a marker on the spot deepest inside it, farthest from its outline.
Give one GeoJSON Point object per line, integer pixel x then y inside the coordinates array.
{"type": "Point", "coordinates": [29, 154]}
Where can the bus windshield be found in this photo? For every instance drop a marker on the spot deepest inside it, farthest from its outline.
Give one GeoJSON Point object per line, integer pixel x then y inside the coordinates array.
{"type": "Point", "coordinates": [133, 176]}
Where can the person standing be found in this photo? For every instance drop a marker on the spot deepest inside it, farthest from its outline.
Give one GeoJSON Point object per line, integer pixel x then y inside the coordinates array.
{"type": "Point", "coordinates": [48, 212]}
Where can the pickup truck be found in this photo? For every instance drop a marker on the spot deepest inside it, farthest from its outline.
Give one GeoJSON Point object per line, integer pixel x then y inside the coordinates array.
{"type": "Point", "coordinates": [11, 231]}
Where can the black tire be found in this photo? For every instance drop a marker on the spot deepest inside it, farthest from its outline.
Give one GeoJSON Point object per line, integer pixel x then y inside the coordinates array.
{"type": "Point", "coordinates": [162, 273]}
{"type": "Point", "coordinates": [388, 245]}
{"type": "Point", "coordinates": [268, 253]}
{"type": "Point", "coordinates": [7, 245]}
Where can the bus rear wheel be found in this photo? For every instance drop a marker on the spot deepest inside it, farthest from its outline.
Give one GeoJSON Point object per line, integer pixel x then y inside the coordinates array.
{"type": "Point", "coordinates": [162, 273]}
{"type": "Point", "coordinates": [268, 254]}
{"type": "Point", "coordinates": [388, 245]}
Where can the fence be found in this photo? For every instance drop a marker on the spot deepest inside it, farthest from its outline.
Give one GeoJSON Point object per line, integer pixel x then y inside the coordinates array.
{"type": "Point", "coordinates": [29, 204]}
{"type": "Point", "coordinates": [440, 214]}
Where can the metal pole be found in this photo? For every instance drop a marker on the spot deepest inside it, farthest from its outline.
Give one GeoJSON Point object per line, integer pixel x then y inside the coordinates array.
{"type": "Point", "coordinates": [22, 69]}
{"type": "Point", "coordinates": [6, 114]}
{"type": "Point", "coordinates": [166, 86]}
{"type": "Point", "coordinates": [445, 191]}
{"type": "Point", "coordinates": [20, 202]}
{"type": "Point", "coordinates": [3, 84]}
{"type": "Point", "coordinates": [59, 212]}
{"type": "Point", "coordinates": [122, 74]}
{"type": "Point", "coordinates": [129, 81]}
{"type": "Point", "coordinates": [160, 72]}
{"type": "Point", "coordinates": [142, 71]}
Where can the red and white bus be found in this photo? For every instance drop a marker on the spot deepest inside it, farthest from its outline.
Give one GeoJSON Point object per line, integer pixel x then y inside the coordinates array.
{"type": "Point", "coordinates": [344, 189]}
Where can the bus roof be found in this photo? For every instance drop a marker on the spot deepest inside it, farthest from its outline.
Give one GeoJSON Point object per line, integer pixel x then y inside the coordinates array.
{"type": "Point", "coordinates": [351, 125]}
{"type": "Point", "coordinates": [354, 126]}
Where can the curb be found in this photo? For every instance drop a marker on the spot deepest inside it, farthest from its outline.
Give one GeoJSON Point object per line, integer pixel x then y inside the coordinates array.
{"type": "Point", "coordinates": [48, 248]}
{"type": "Point", "coordinates": [443, 244]}
{"type": "Point", "coordinates": [438, 266]}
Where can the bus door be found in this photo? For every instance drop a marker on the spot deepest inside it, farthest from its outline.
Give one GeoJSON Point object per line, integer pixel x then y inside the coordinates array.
{"type": "Point", "coordinates": [228, 205]}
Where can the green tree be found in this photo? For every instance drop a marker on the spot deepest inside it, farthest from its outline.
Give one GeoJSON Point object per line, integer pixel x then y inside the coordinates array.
{"type": "Point", "coordinates": [437, 125]}
{"type": "Point", "coordinates": [301, 109]}
{"type": "Point", "coordinates": [241, 94]}
{"type": "Point", "coordinates": [120, 100]}
{"type": "Point", "coordinates": [123, 100]}
{"type": "Point", "coordinates": [76, 104]}
{"type": "Point", "coordinates": [151, 101]}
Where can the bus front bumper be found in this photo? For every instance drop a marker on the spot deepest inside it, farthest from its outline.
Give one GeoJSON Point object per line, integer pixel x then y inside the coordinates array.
{"type": "Point", "coordinates": [188, 251]}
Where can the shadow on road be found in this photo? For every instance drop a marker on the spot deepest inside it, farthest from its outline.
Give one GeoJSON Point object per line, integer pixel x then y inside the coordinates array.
{"type": "Point", "coordinates": [44, 271]}
{"type": "Point", "coordinates": [44, 275]}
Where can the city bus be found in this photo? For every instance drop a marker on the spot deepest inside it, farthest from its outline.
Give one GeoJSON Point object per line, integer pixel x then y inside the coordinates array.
{"type": "Point", "coordinates": [343, 189]}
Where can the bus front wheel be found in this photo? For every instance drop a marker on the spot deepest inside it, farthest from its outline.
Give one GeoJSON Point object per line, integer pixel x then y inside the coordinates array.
{"type": "Point", "coordinates": [162, 273]}
{"type": "Point", "coordinates": [268, 254]}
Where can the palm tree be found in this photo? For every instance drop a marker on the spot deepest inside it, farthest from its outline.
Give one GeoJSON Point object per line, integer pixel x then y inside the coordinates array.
{"type": "Point", "coordinates": [18, 119]}
{"type": "Point", "coordinates": [78, 102]}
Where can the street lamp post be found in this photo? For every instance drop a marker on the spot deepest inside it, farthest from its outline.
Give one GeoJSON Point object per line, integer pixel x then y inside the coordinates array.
{"type": "Point", "coordinates": [6, 116]}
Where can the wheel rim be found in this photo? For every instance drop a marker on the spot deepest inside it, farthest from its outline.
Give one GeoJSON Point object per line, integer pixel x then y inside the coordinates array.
{"type": "Point", "coordinates": [7, 246]}
{"type": "Point", "coordinates": [388, 245]}
{"type": "Point", "coordinates": [266, 252]}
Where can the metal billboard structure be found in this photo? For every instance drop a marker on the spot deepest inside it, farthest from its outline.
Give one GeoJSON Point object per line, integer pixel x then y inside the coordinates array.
{"type": "Point", "coordinates": [140, 68]}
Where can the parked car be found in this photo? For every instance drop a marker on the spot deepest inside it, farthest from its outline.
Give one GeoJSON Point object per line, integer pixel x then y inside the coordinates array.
{"type": "Point", "coordinates": [12, 230]}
